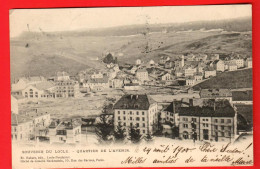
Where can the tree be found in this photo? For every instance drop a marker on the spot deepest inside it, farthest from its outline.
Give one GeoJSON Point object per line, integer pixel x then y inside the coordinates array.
{"type": "Point", "coordinates": [134, 135]}
{"type": "Point", "coordinates": [104, 128]}
{"type": "Point", "coordinates": [119, 133]}
{"type": "Point", "coordinates": [108, 59]}
{"type": "Point", "coordinates": [148, 138]}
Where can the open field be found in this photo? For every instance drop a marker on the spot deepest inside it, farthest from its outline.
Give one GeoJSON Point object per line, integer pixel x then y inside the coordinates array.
{"type": "Point", "coordinates": [228, 80]}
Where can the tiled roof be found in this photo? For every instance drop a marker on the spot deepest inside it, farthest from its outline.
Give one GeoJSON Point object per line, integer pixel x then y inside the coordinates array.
{"type": "Point", "coordinates": [44, 85]}
{"type": "Point", "coordinates": [17, 119]}
{"type": "Point", "coordinates": [98, 80]}
{"type": "Point", "coordinates": [227, 111]}
{"type": "Point", "coordinates": [242, 95]}
{"type": "Point", "coordinates": [137, 102]}
{"type": "Point", "coordinates": [34, 114]}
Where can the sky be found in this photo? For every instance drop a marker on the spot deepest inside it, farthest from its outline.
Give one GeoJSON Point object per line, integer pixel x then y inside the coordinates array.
{"type": "Point", "coordinates": [69, 19]}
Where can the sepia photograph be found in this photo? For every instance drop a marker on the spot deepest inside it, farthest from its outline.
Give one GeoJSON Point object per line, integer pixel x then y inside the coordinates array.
{"type": "Point", "coordinates": [164, 86]}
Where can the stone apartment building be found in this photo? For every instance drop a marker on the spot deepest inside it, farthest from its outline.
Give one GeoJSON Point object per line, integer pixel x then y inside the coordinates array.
{"type": "Point", "coordinates": [142, 75]}
{"type": "Point", "coordinates": [207, 123]}
{"type": "Point", "coordinates": [68, 88]}
{"type": "Point", "coordinates": [136, 110]}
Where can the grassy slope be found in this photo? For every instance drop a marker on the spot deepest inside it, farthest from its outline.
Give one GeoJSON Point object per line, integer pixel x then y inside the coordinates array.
{"type": "Point", "coordinates": [228, 80]}
{"type": "Point", "coordinates": [45, 55]}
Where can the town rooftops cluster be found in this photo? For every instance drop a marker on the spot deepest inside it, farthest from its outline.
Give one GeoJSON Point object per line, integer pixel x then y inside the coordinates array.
{"type": "Point", "coordinates": [139, 102]}
{"type": "Point", "coordinates": [64, 124]}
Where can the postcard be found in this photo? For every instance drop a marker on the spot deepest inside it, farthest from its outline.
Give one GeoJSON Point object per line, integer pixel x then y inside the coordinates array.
{"type": "Point", "coordinates": [164, 86]}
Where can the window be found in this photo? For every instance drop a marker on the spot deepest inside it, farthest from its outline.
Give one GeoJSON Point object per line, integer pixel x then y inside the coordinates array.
{"type": "Point", "coordinates": [124, 117]}
{"type": "Point", "coordinates": [185, 125]}
{"type": "Point", "coordinates": [137, 113]}
{"type": "Point", "coordinates": [143, 124]}
{"type": "Point", "coordinates": [142, 113]}
{"type": "Point", "coordinates": [143, 131]}
{"type": "Point", "coordinates": [222, 120]}
{"type": "Point", "coordinates": [194, 119]}
{"type": "Point", "coordinates": [123, 112]}
{"type": "Point", "coordinates": [137, 118]}
{"type": "Point", "coordinates": [26, 94]}
{"type": "Point", "coordinates": [124, 124]}
{"type": "Point", "coordinates": [228, 120]}
{"type": "Point", "coordinates": [131, 112]}
{"type": "Point", "coordinates": [222, 127]}
{"type": "Point", "coordinates": [216, 120]}
{"type": "Point", "coordinates": [131, 118]}
{"type": "Point", "coordinates": [229, 128]}
{"type": "Point", "coordinates": [137, 124]}
{"type": "Point", "coordinates": [222, 134]}
{"type": "Point", "coordinates": [118, 112]}
{"type": "Point", "coordinates": [207, 119]}
{"type": "Point", "coordinates": [118, 117]}
{"type": "Point", "coordinates": [143, 118]}
{"type": "Point", "coordinates": [216, 127]}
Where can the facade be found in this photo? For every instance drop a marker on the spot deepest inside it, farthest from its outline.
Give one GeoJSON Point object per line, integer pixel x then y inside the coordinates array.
{"type": "Point", "coordinates": [189, 71]}
{"type": "Point", "coordinates": [117, 83]}
{"type": "Point", "coordinates": [138, 62]}
{"type": "Point", "coordinates": [208, 123]}
{"type": "Point", "coordinates": [198, 77]}
{"type": "Point", "coordinates": [239, 62]}
{"type": "Point", "coordinates": [69, 88]}
{"type": "Point", "coordinates": [210, 72]}
{"type": "Point", "coordinates": [232, 67]}
{"type": "Point", "coordinates": [97, 84]}
{"type": "Point", "coordinates": [166, 77]}
{"type": "Point", "coordinates": [96, 75]}
{"type": "Point", "coordinates": [45, 89]}
{"type": "Point", "coordinates": [219, 65]}
{"type": "Point", "coordinates": [62, 76]}
{"type": "Point", "coordinates": [248, 62]}
{"type": "Point", "coordinates": [14, 105]}
{"type": "Point", "coordinates": [136, 110]}
{"type": "Point", "coordinates": [190, 81]}
{"type": "Point", "coordinates": [142, 75]}
{"type": "Point", "coordinates": [216, 94]}
{"type": "Point", "coordinates": [25, 81]}
{"type": "Point", "coordinates": [242, 97]}
{"type": "Point", "coordinates": [65, 132]}
{"type": "Point", "coordinates": [169, 64]}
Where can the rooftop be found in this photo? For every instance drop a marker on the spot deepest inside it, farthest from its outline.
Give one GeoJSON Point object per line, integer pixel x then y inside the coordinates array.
{"type": "Point", "coordinates": [242, 95]}
{"type": "Point", "coordinates": [17, 119]}
{"type": "Point", "coordinates": [136, 102]}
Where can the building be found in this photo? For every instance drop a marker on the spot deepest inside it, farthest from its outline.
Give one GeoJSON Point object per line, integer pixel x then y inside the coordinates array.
{"type": "Point", "coordinates": [136, 110]}
{"type": "Point", "coordinates": [62, 76]}
{"type": "Point", "coordinates": [151, 62]}
{"type": "Point", "coordinates": [190, 81]}
{"type": "Point", "coordinates": [208, 123]}
{"type": "Point", "coordinates": [132, 86]}
{"type": "Point", "coordinates": [164, 59]}
{"type": "Point", "coordinates": [209, 72]}
{"type": "Point", "coordinates": [232, 66]}
{"type": "Point", "coordinates": [142, 75]}
{"type": "Point", "coordinates": [169, 64]}
{"type": "Point", "coordinates": [133, 69]}
{"type": "Point", "coordinates": [117, 83]}
{"type": "Point", "coordinates": [26, 127]}
{"type": "Point", "coordinates": [69, 88]}
{"type": "Point", "coordinates": [45, 89]}
{"type": "Point", "coordinates": [216, 94]}
{"type": "Point", "coordinates": [248, 62]}
{"type": "Point", "coordinates": [189, 71]}
{"type": "Point", "coordinates": [22, 128]}
{"type": "Point", "coordinates": [97, 84]}
{"type": "Point", "coordinates": [23, 82]}
{"type": "Point", "coordinates": [198, 77]}
{"type": "Point", "coordinates": [138, 62]}
{"type": "Point", "coordinates": [65, 131]}
{"type": "Point", "coordinates": [96, 75]}
{"type": "Point", "coordinates": [166, 77]}
{"type": "Point", "coordinates": [219, 65]}
{"type": "Point", "coordinates": [239, 62]}
{"type": "Point", "coordinates": [14, 105]}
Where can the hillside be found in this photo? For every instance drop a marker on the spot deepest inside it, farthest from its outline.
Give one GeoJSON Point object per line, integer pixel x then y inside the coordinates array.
{"type": "Point", "coordinates": [45, 53]}
{"type": "Point", "coordinates": [228, 80]}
